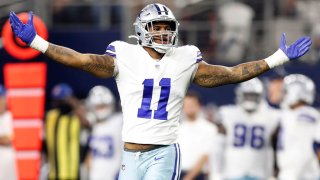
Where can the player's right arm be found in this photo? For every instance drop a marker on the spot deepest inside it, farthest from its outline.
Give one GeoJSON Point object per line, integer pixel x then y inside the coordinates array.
{"type": "Point", "coordinates": [98, 65]}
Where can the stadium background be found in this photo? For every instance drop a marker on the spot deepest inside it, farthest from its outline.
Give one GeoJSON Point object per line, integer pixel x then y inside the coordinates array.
{"type": "Point", "coordinates": [90, 25]}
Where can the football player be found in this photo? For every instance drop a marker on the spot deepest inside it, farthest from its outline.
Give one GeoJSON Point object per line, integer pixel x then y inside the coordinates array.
{"type": "Point", "coordinates": [249, 125]}
{"type": "Point", "coordinates": [152, 78]}
{"type": "Point", "coordinates": [105, 142]}
{"type": "Point", "coordinates": [299, 120]}
{"type": "Point", "coordinates": [198, 145]}
{"type": "Point", "coordinates": [7, 151]}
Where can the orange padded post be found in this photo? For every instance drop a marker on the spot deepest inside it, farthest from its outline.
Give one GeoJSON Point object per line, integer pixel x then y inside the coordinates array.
{"type": "Point", "coordinates": [27, 134]}
{"type": "Point", "coordinates": [28, 165]}
{"type": "Point", "coordinates": [25, 84]}
{"type": "Point", "coordinates": [25, 75]}
{"type": "Point", "coordinates": [26, 103]}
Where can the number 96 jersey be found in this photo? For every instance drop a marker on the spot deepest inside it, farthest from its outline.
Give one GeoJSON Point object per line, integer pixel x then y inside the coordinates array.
{"type": "Point", "coordinates": [152, 91]}
{"type": "Point", "coordinates": [248, 141]}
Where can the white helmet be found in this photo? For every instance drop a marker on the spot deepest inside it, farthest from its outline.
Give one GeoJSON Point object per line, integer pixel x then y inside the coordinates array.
{"type": "Point", "coordinates": [298, 88]}
{"type": "Point", "coordinates": [100, 102]}
{"type": "Point", "coordinates": [249, 94]}
{"type": "Point", "coordinates": [144, 22]}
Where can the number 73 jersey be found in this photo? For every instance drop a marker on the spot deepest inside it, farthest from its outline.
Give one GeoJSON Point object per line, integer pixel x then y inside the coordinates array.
{"type": "Point", "coordinates": [152, 91]}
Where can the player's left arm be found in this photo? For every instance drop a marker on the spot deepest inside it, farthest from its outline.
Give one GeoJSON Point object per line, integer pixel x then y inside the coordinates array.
{"type": "Point", "coordinates": [209, 75]}
{"type": "Point", "coordinates": [213, 75]}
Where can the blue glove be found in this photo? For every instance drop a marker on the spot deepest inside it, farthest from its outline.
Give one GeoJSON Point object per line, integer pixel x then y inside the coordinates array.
{"type": "Point", "coordinates": [26, 32]}
{"type": "Point", "coordinates": [297, 49]}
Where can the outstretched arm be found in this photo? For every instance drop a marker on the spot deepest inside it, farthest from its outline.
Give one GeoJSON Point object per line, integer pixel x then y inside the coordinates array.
{"type": "Point", "coordinates": [98, 65]}
{"type": "Point", "coordinates": [212, 75]}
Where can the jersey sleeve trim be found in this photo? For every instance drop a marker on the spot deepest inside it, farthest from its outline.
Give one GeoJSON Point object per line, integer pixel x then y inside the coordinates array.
{"type": "Point", "coordinates": [111, 51]}
{"type": "Point", "coordinates": [199, 57]}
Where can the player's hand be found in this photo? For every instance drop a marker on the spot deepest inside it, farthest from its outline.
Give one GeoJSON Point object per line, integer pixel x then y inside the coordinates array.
{"type": "Point", "coordinates": [26, 32]}
{"type": "Point", "coordinates": [297, 49]}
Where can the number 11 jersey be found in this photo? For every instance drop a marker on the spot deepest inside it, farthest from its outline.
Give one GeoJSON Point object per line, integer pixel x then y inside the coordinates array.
{"type": "Point", "coordinates": [152, 91]}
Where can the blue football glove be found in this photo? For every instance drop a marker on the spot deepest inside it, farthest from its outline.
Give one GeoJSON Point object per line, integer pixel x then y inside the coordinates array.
{"type": "Point", "coordinates": [297, 49]}
{"type": "Point", "coordinates": [26, 32]}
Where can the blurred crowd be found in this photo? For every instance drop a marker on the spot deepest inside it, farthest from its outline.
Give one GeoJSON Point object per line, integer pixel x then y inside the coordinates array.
{"type": "Point", "coordinates": [227, 31]}
{"type": "Point", "coordinates": [270, 131]}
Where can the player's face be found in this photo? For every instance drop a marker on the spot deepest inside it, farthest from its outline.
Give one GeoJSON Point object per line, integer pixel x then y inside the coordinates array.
{"type": "Point", "coordinates": [191, 107]}
{"type": "Point", "coordinates": [102, 111]}
{"type": "Point", "coordinates": [253, 97]}
{"type": "Point", "coordinates": [161, 32]}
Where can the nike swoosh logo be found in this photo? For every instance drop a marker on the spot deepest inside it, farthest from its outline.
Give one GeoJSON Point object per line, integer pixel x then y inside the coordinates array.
{"type": "Point", "coordinates": [156, 159]}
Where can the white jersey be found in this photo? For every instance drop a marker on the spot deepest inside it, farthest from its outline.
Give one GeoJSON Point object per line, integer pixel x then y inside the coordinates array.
{"type": "Point", "coordinates": [152, 91]}
{"type": "Point", "coordinates": [106, 146]}
{"type": "Point", "coordinates": [295, 154]}
{"type": "Point", "coordinates": [248, 141]}
{"type": "Point", "coordinates": [196, 138]}
{"type": "Point", "coordinates": [7, 153]}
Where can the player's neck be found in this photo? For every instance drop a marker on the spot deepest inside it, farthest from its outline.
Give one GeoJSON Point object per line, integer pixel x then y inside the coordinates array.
{"type": "Point", "coordinates": [298, 105]}
{"type": "Point", "coordinates": [153, 53]}
{"type": "Point", "coordinates": [192, 117]}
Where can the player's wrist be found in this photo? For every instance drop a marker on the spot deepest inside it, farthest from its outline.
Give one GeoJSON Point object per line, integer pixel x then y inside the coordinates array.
{"type": "Point", "coordinates": [277, 59]}
{"type": "Point", "coordinates": [38, 43]}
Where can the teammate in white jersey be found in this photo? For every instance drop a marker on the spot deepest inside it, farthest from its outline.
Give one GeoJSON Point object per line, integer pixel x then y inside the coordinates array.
{"type": "Point", "coordinates": [152, 78]}
{"type": "Point", "coordinates": [250, 125]}
{"type": "Point", "coordinates": [105, 141]}
{"type": "Point", "coordinates": [295, 154]}
{"type": "Point", "coordinates": [7, 151]}
{"type": "Point", "coordinates": [316, 143]}
{"type": "Point", "coordinates": [198, 145]}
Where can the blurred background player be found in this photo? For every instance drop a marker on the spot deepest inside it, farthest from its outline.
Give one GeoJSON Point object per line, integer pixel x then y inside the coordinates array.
{"type": "Point", "coordinates": [105, 142]}
{"type": "Point", "coordinates": [316, 143]}
{"type": "Point", "coordinates": [249, 125]}
{"type": "Point", "coordinates": [196, 139]}
{"type": "Point", "coordinates": [274, 86]}
{"type": "Point", "coordinates": [299, 120]}
{"type": "Point", "coordinates": [7, 152]}
{"type": "Point", "coordinates": [62, 133]}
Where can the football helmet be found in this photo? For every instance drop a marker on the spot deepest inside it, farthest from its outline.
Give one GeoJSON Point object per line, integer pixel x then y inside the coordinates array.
{"type": "Point", "coordinates": [298, 88]}
{"type": "Point", "coordinates": [249, 94]}
{"type": "Point", "coordinates": [144, 25]}
{"type": "Point", "coordinates": [100, 102]}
